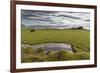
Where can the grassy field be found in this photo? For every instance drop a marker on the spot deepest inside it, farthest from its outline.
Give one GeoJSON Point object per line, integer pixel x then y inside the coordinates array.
{"type": "Point", "coordinates": [79, 39]}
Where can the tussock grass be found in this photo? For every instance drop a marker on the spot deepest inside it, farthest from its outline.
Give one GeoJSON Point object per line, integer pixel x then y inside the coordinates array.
{"type": "Point", "coordinates": [61, 55]}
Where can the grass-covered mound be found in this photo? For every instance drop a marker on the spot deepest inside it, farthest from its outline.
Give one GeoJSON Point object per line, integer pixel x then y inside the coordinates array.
{"type": "Point", "coordinates": [39, 55]}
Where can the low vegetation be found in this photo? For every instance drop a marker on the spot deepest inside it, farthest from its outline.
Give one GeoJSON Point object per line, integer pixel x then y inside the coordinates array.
{"type": "Point", "coordinates": [39, 55]}
{"type": "Point", "coordinates": [79, 39]}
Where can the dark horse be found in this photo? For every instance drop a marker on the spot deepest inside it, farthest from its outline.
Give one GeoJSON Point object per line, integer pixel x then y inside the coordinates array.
{"type": "Point", "coordinates": [32, 30]}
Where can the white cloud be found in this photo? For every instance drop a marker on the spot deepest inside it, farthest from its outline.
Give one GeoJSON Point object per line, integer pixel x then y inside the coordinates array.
{"type": "Point", "coordinates": [58, 18]}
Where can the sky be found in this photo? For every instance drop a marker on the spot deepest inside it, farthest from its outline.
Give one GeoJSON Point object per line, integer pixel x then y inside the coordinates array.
{"type": "Point", "coordinates": [55, 18]}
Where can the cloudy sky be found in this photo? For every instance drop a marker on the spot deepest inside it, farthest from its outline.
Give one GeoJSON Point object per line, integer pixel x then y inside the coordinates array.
{"type": "Point", "coordinates": [55, 18]}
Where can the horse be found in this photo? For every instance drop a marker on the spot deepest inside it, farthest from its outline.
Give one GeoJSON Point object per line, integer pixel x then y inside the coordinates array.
{"type": "Point", "coordinates": [32, 30]}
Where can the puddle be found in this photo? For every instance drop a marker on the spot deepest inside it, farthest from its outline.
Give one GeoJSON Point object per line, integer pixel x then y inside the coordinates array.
{"type": "Point", "coordinates": [50, 46]}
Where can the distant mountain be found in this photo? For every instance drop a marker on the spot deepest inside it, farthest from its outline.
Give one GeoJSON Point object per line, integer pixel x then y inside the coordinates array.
{"type": "Point", "coordinates": [49, 26]}
{"type": "Point", "coordinates": [52, 27]}
{"type": "Point", "coordinates": [22, 25]}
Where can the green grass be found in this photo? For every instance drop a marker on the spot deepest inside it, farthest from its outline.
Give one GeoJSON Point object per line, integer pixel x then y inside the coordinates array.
{"type": "Point", "coordinates": [31, 55]}
{"type": "Point", "coordinates": [77, 38]}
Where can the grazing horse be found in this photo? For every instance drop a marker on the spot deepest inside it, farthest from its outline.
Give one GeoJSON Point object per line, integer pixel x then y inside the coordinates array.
{"type": "Point", "coordinates": [32, 30]}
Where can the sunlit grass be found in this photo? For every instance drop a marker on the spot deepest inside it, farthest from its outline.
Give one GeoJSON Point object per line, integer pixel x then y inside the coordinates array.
{"type": "Point", "coordinates": [77, 38]}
